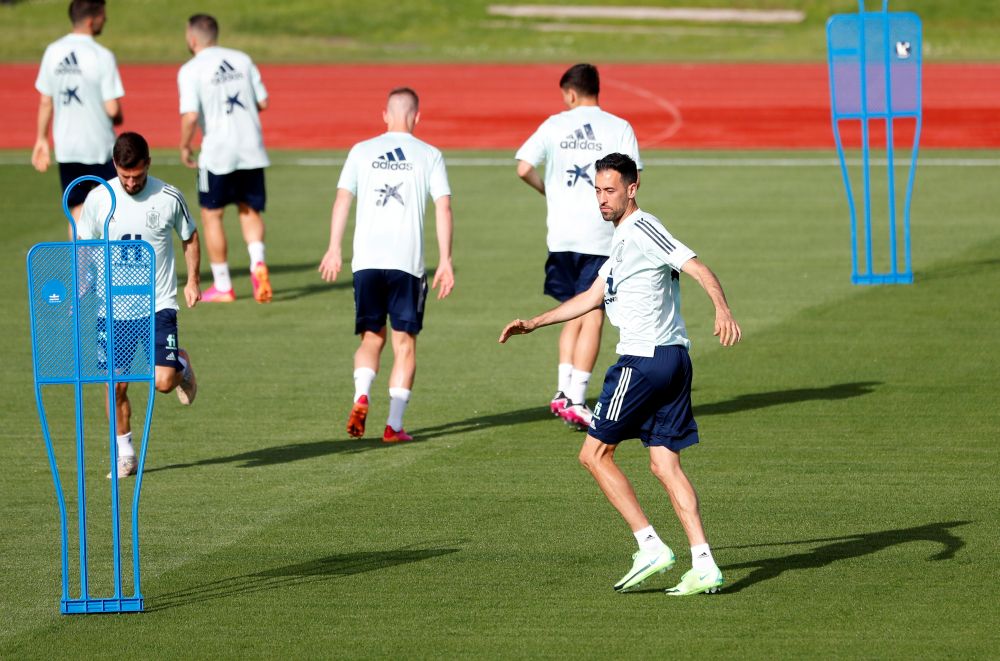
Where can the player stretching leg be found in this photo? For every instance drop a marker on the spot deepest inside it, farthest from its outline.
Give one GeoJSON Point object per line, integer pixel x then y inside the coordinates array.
{"type": "Point", "coordinates": [147, 209]}
{"type": "Point", "coordinates": [647, 393]}
{"type": "Point", "coordinates": [392, 175]}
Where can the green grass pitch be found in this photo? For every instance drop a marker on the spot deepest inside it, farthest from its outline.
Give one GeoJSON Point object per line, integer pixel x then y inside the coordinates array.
{"type": "Point", "coordinates": [847, 470]}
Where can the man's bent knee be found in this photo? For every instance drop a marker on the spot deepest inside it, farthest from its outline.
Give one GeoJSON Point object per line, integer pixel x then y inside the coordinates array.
{"type": "Point", "coordinates": [594, 452]}
{"type": "Point", "coordinates": [665, 464]}
{"type": "Point", "coordinates": [166, 382]}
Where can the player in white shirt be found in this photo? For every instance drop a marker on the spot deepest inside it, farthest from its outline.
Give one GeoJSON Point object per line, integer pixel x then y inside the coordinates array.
{"type": "Point", "coordinates": [222, 93]}
{"type": "Point", "coordinates": [392, 176]}
{"type": "Point", "coordinates": [79, 86]}
{"type": "Point", "coordinates": [647, 393]}
{"type": "Point", "coordinates": [147, 209]}
{"type": "Point", "coordinates": [578, 239]}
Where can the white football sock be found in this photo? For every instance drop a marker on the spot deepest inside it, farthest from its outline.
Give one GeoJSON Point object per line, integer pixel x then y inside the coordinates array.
{"type": "Point", "coordinates": [648, 539]}
{"type": "Point", "coordinates": [577, 392]}
{"type": "Point", "coordinates": [398, 399]}
{"type": "Point", "coordinates": [220, 277]}
{"type": "Point", "coordinates": [701, 557]}
{"type": "Point", "coordinates": [256, 250]}
{"type": "Point", "coordinates": [125, 448]}
{"type": "Point", "coordinates": [363, 377]}
{"type": "Point", "coordinates": [565, 372]}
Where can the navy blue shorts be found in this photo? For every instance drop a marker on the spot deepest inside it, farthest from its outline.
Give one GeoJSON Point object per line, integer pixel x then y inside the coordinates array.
{"type": "Point", "coordinates": [648, 399]}
{"type": "Point", "coordinates": [570, 273]}
{"type": "Point", "coordinates": [216, 191]}
{"type": "Point", "coordinates": [130, 334]}
{"type": "Point", "coordinates": [381, 292]}
{"type": "Point", "coordinates": [70, 171]}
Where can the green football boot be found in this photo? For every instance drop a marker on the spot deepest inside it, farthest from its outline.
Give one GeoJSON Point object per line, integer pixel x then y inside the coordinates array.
{"type": "Point", "coordinates": [644, 565]}
{"type": "Point", "coordinates": [695, 582]}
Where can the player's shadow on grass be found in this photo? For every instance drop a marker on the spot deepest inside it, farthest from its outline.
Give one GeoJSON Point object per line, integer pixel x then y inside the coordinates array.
{"type": "Point", "coordinates": [842, 548]}
{"type": "Point", "coordinates": [777, 397]}
{"type": "Point", "coordinates": [321, 569]}
{"type": "Point", "coordinates": [959, 270]}
{"type": "Point", "coordinates": [282, 454]}
{"type": "Point", "coordinates": [507, 419]}
{"type": "Point", "coordinates": [286, 293]}
{"type": "Point", "coordinates": [292, 293]}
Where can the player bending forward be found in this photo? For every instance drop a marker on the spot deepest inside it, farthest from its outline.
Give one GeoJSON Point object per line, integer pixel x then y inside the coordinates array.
{"type": "Point", "coordinates": [147, 210]}
{"type": "Point", "coordinates": [647, 393]}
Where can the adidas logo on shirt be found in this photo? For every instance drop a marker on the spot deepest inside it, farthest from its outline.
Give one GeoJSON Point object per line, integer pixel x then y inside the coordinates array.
{"type": "Point", "coordinates": [225, 73]}
{"type": "Point", "coordinates": [582, 138]}
{"type": "Point", "coordinates": [394, 159]}
{"type": "Point", "coordinates": [69, 65]}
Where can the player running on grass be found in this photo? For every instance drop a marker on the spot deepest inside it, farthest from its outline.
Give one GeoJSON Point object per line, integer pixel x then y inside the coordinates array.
{"type": "Point", "coordinates": [647, 393]}
{"type": "Point", "coordinates": [150, 210]}
{"type": "Point", "coordinates": [578, 240]}
{"type": "Point", "coordinates": [392, 176]}
{"type": "Point", "coordinates": [221, 91]}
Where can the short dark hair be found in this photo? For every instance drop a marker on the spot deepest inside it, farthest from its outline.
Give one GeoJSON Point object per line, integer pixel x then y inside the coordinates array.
{"type": "Point", "coordinates": [80, 10]}
{"type": "Point", "coordinates": [131, 150]}
{"type": "Point", "coordinates": [583, 78]}
{"type": "Point", "coordinates": [621, 164]}
{"type": "Point", "coordinates": [408, 91]}
{"type": "Point", "coordinates": [206, 25]}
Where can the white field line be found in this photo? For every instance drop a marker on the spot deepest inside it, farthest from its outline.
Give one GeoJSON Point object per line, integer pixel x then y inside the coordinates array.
{"type": "Point", "coordinates": [680, 161]}
{"type": "Point", "coordinates": [650, 13]}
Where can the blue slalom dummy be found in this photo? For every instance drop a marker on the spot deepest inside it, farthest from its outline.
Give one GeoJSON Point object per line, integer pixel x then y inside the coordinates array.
{"type": "Point", "coordinates": [875, 77]}
{"type": "Point", "coordinates": [80, 293]}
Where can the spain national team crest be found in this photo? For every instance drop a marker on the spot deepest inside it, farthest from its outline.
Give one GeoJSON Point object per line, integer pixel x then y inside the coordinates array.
{"type": "Point", "coordinates": [619, 251]}
{"type": "Point", "coordinates": [152, 219]}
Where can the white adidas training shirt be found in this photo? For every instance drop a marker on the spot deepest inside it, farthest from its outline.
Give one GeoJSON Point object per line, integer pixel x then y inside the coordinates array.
{"type": "Point", "coordinates": [392, 175]}
{"type": "Point", "coordinates": [642, 292]}
{"type": "Point", "coordinates": [80, 75]}
{"type": "Point", "coordinates": [223, 86]}
{"type": "Point", "coordinates": [152, 215]}
{"type": "Point", "coordinates": [569, 144]}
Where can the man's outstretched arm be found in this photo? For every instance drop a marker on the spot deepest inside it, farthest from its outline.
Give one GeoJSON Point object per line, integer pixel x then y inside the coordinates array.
{"type": "Point", "coordinates": [575, 307]}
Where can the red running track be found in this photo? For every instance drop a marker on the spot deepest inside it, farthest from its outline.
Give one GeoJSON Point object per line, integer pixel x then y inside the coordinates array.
{"type": "Point", "coordinates": [483, 106]}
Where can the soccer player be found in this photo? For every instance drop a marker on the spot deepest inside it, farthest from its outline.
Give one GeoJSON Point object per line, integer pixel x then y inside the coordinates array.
{"type": "Point", "coordinates": [147, 209]}
{"type": "Point", "coordinates": [79, 85]}
{"type": "Point", "coordinates": [392, 176]}
{"type": "Point", "coordinates": [647, 393]}
{"type": "Point", "coordinates": [221, 91]}
{"type": "Point", "coordinates": [578, 240]}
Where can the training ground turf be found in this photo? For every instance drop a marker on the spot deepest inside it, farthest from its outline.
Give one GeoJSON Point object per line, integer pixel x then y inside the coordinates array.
{"type": "Point", "coordinates": [847, 470]}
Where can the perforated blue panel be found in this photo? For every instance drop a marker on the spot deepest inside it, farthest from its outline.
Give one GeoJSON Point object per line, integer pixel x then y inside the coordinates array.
{"type": "Point", "coordinates": [50, 290]}
{"type": "Point", "coordinates": [54, 314]}
{"type": "Point", "coordinates": [900, 36]}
